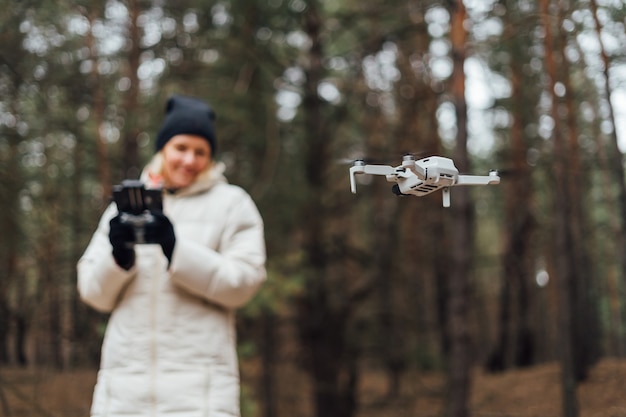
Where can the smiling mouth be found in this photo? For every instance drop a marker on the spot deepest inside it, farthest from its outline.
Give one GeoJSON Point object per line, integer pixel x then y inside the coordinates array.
{"type": "Point", "coordinates": [187, 173]}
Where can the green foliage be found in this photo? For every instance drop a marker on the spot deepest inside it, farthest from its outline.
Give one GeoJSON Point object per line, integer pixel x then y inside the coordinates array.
{"type": "Point", "coordinates": [284, 281]}
{"type": "Point", "coordinates": [249, 406]}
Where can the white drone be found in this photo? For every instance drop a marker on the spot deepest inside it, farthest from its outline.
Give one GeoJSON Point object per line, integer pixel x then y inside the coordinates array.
{"type": "Point", "coordinates": [422, 176]}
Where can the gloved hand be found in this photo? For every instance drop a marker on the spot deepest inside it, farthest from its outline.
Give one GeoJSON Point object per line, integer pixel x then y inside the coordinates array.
{"type": "Point", "coordinates": [161, 231]}
{"type": "Point", "coordinates": [122, 237]}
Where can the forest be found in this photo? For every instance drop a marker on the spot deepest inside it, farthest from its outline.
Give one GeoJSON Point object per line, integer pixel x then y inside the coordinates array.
{"type": "Point", "coordinates": [530, 272]}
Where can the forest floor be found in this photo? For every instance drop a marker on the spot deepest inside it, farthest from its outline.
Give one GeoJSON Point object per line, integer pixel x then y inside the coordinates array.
{"type": "Point", "coordinates": [532, 392]}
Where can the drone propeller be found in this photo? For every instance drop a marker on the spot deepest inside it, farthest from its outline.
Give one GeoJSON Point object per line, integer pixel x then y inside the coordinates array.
{"type": "Point", "coordinates": [370, 160]}
{"type": "Point", "coordinates": [366, 161]}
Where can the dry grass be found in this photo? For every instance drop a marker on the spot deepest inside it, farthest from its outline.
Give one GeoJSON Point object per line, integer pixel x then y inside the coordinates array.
{"type": "Point", "coordinates": [45, 393]}
{"type": "Point", "coordinates": [531, 392]}
{"type": "Point", "coordinates": [534, 392]}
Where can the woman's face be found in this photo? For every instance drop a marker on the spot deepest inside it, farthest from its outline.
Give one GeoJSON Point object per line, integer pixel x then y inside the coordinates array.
{"type": "Point", "coordinates": [184, 158]}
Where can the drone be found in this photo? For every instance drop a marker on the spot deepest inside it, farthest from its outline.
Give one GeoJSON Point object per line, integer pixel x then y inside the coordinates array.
{"type": "Point", "coordinates": [423, 176]}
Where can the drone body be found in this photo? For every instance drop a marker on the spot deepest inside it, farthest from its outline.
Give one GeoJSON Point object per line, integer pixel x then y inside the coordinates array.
{"type": "Point", "coordinates": [422, 176]}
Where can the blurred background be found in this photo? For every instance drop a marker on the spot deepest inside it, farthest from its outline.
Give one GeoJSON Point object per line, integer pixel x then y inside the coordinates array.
{"type": "Point", "coordinates": [375, 304]}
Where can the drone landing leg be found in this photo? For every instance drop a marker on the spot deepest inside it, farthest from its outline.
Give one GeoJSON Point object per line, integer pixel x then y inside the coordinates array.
{"type": "Point", "coordinates": [446, 196]}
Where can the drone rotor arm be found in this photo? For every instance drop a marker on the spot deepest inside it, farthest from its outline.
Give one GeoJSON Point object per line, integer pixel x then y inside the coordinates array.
{"type": "Point", "coordinates": [378, 169]}
{"type": "Point", "coordinates": [418, 170]}
{"type": "Point", "coordinates": [478, 179]}
{"type": "Point", "coordinates": [368, 169]}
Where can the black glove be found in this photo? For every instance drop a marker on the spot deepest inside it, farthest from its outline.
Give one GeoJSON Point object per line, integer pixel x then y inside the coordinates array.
{"type": "Point", "coordinates": [122, 238]}
{"type": "Point", "coordinates": [161, 231]}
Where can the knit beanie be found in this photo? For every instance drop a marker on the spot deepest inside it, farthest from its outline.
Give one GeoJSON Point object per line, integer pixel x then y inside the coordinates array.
{"type": "Point", "coordinates": [187, 115]}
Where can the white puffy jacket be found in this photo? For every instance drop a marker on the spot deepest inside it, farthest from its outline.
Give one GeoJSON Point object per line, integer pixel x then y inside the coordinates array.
{"type": "Point", "coordinates": [170, 346]}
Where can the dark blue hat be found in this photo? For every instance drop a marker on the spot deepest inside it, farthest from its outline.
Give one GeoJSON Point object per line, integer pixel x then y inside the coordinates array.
{"type": "Point", "coordinates": [187, 115]}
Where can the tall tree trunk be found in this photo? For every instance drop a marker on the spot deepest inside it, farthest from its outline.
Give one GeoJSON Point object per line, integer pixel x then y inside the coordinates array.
{"type": "Point", "coordinates": [563, 238]}
{"type": "Point", "coordinates": [615, 158]}
{"type": "Point", "coordinates": [462, 239]}
{"type": "Point", "coordinates": [98, 105]}
{"type": "Point", "coordinates": [52, 287]}
{"type": "Point", "coordinates": [323, 320]}
{"type": "Point", "coordinates": [417, 132]}
{"type": "Point", "coordinates": [587, 335]}
{"type": "Point", "coordinates": [50, 284]}
{"type": "Point", "coordinates": [130, 147]}
{"type": "Point", "coordinates": [385, 213]}
{"type": "Point", "coordinates": [84, 320]}
{"type": "Point", "coordinates": [11, 237]}
{"type": "Point", "coordinates": [515, 345]}
{"type": "Point", "coordinates": [268, 353]}
{"type": "Point", "coordinates": [78, 328]}
{"type": "Point", "coordinates": [9, 244]}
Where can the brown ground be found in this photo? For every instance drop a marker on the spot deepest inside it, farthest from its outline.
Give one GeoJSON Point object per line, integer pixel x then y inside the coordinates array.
{"type": "Point", "coordinates": [532, 392]}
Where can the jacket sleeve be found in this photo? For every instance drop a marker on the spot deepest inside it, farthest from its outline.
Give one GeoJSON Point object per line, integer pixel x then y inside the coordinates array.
{"type": "Point", "coordinates": [232, 275]}
{"type": "Point", "coordinates": [100, 279]}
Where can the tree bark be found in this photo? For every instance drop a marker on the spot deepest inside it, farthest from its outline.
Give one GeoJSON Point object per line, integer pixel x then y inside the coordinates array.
{"type": "Point", "coordinates": [98, 105]}
{"type": "Point", "coordinates": [130, 147]}
{"type": "Point", "coordinates": [459, 284]}
{"type": "Point", "coordinates": [323, 319]}
{"type": "Point", "coordinates": [268, 352]}
{"type": "Point", "coordinates": [616, 164]}
{"type": "Point", "coordinates": [585, 310]}
{"type": "Point", "coordinates": [563, 238]}
{"type": "Point", "coordinates": [515, 344]}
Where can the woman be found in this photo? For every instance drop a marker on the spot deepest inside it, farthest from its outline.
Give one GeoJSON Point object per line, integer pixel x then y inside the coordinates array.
{"type": "Point", "coordinates": [169, 347]}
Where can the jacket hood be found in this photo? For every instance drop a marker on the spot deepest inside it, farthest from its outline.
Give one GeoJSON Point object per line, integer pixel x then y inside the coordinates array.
{"type": "Point", "coordinates": [153, 178]}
